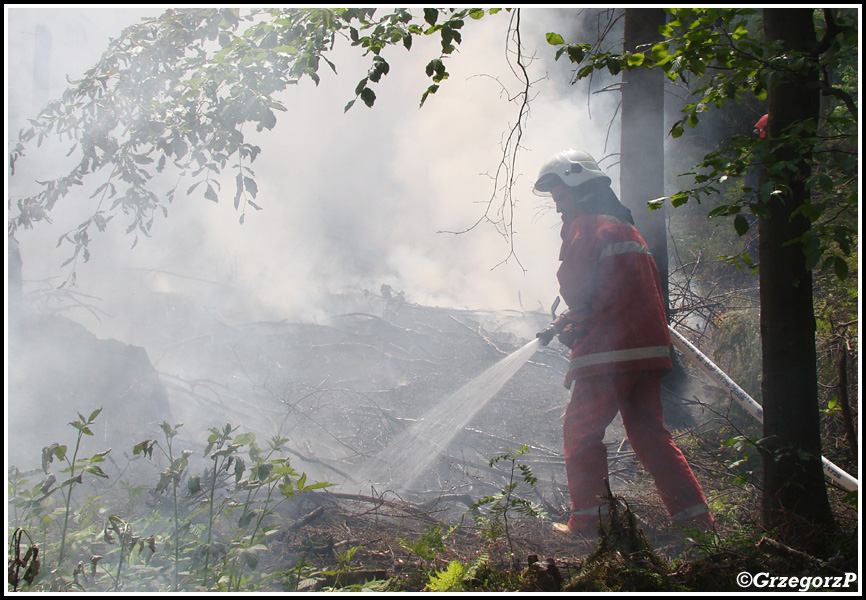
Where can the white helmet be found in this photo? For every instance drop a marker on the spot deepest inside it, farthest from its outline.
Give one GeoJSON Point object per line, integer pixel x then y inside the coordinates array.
{"type": "Point", "coordinates": [571, 167]}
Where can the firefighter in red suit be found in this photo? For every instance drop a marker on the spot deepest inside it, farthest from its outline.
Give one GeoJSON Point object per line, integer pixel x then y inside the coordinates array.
{"type": "Point", "coordinates": [616, 327]}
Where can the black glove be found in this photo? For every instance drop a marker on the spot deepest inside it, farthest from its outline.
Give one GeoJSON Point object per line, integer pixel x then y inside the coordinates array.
{"type": "Point", "coordinates": [546, 335]}
{"type": "Point", "coordinates": [555, 329]}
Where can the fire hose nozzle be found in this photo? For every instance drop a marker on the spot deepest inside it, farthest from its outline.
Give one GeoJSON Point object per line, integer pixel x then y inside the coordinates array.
{"type": "Point", "coordinates": [547, 334]}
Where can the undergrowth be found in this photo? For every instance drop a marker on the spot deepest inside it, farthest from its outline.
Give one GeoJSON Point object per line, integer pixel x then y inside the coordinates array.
{"type": "Point", "coordinates": [218, 522]}
{"type": "Point", "coordinates": [198, 530]}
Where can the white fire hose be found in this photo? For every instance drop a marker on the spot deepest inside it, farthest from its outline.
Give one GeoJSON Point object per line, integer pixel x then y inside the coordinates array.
{"type": "Point", "coordinates": [747, 402]}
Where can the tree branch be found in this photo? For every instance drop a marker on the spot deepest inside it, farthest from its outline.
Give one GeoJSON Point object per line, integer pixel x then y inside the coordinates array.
{"type": "Point", "coordinates": [504, 220]}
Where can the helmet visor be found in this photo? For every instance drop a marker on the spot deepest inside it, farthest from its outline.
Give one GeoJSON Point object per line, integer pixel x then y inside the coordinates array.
{"type": "Point", "coordinates": [546, 183]}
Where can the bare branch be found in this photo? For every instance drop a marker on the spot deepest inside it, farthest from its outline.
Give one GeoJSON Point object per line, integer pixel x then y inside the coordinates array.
{"type": "Point", "coordinates": [504, 210]}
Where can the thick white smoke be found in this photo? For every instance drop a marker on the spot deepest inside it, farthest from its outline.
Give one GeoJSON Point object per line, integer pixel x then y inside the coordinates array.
{"type": "Point", "coordinates": [351, 200]}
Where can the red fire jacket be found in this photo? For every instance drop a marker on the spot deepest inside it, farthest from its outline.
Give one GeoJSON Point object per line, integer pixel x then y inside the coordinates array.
{"type": "Point", "coordinates": [611, 284]}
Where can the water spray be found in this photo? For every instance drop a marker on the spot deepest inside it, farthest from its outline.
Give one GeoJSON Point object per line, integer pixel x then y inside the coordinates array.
{"type": "Point", "coordinates": [747, 402]}
{"type": "Point", "coordinates": [413, 451]}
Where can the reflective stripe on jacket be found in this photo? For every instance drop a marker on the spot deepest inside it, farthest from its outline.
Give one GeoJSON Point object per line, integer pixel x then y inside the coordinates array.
{"type": "Point", "coordinates": [611, 284]}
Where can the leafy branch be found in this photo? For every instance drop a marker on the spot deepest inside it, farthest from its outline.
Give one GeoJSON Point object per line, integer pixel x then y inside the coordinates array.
{"type": "Point", "coordinates": [75, 467]}
{"type": "Point", "coordinates": [174, 93]}
{"type": "Point", "coordinates": [503, 219]}
{"type": "Point", "coordinates": [718, 49]}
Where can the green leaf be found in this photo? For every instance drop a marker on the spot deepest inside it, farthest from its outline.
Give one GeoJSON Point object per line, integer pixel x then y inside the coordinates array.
{"type": "Point", "coordinates": [368, 96]}
{"type": "Point", "coordinates": [434, 67]}
{"type": "Point", "coordinates": [448, 580]}
{"type": "Point", "coordinates": [766, 191]}
{"type": "Point", "coordinates": [741, 225]}
{"type": "Point", "coordinates": [554, 39]}
{"type": "Point", "coordinates": [679, 199]}
{"type": "Point", "coordinates": [72, 480]}
{"type": "Point", "coordinates": [145, 447]}
{"type": "Point", "coordinates": [99, 456]}
{"type": "Point", "coordinates": [210, 194]}
{"type": "Point", "coordinates": [659, 52]}
{"type": "Point", "coordinates": [263, 471]}
{"type": "Point", "coordinates": [168, 430]}
{"type": "Point", "coordinates": [430, 90]}
{"type": "Point", "coordinates": [247, 517]}
{"type": "Point", "coordinates": [268, 120]}
{"type": "Point", "coordinates": [635, 60]}
{"type": "Point", "coordinates": [194, 485]}
{"type": "Point", "coordinates": [95, 470]}
{"type": "Point", "coordinates": [840, 266]}
{"type": "Point", "coordinates": [245, 438]}
{"type": "Point", "coordinates": [576, 53]}
{"type": "Point", "coordinates": [759, 210]}
{"type": "Point", "coordinates": [657, 203]}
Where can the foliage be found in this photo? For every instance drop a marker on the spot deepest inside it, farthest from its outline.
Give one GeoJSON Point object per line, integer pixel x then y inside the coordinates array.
{"type": "Point", "coordinates": [173, 474]}
{"type": "Point", "coordinates": [114, 551]}
{"type": "Point", "coordinates": [623, 558]}
{"type": "Point", "coordinates": [29, 562]}
{"type": "Point", "coordinates": [301, 573]}
{"type": "Point", "coordinates": [174, 94]}
{"type": "Point", "coordinates": [267, 477]}
{"type": "Point", "coordinates": [449, 580]}
{"type": "Point", "coordinates": [202, 543]}
{"type": "Point", "coordinates": [118, 529]}
{"type": "Point", "coordinates": [81, 465]}
{"type": "Point", "coordinates": [722, 53]}
{"type": "Point", "coordinates": [737, 342]}
{"type": "Point", "coordinates": [344, 560]}
{"type": "Point", "coordinates": [393, 300]}
{"type": "Point", "coordinates": [431, 543]}
{"type": "Point", "coordinates": [505, 500]}
{"type": "Point", "coordinates": [455, 577]}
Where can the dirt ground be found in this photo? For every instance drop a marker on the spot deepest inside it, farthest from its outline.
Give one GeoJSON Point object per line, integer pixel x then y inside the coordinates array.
{"type": "Point", "coordinates": [343, 387]}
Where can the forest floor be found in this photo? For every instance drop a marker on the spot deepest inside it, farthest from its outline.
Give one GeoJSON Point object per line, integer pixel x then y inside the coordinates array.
{"type": "Point", "coordinates": [378, 544]}
{"type": "Point", "coordinates": [339, 390]}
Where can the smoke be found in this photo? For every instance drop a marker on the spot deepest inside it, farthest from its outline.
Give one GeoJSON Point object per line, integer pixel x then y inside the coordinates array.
{"type": "Point", "coordinates": [350, 200]}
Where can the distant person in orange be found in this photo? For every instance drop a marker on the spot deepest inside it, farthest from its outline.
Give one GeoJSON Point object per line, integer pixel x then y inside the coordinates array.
{"type": "Point", "coordinates": [761, 126]}
{"type": "Point", "coordinates": [752, 179]}
{"type": "Point", "coordinates": [617, 329]}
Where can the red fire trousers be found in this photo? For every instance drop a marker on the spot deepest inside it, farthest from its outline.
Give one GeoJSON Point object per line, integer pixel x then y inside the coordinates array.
{"type": "Point", "coordinates": [637, 396]}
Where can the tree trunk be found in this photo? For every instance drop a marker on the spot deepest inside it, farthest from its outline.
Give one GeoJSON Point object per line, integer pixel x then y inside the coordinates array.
{"type": "Point", "coordinates": [642, 163]}
{"type": "Point", "coordinates": [794, 489]}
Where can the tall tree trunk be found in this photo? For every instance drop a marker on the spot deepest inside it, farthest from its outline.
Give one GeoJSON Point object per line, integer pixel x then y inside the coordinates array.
{"type": "Point", "coordinates": [794, 487]}
{"type": "Point", "coordinates": [642, 165]}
